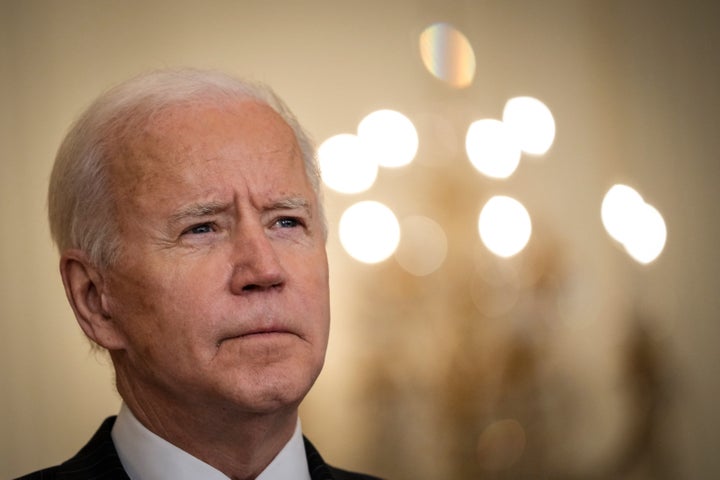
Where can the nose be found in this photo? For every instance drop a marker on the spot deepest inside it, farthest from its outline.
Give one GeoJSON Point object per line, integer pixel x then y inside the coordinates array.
{"type": "Point", "coordinates": [256, 266]}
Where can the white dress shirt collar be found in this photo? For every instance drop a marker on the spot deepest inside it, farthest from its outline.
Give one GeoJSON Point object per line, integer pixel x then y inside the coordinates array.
{"type": "Point", "coordinates": [146, 456]}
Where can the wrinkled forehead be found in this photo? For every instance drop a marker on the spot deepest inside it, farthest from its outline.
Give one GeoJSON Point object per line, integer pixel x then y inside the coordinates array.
{"type": "Point", "coordinates": [176, 138]}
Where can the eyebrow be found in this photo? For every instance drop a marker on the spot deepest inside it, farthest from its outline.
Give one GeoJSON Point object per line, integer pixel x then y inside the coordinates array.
{"type": "Point", "coordinates": [198, 210]}
{"type": "Point", "coordinates": [204, 209]}
{"type": "Point", "coordinates": [290, 203]}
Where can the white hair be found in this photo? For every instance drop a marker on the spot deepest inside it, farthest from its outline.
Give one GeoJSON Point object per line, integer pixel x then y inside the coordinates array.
{"type": "Point", "coordinates": [81, 209]}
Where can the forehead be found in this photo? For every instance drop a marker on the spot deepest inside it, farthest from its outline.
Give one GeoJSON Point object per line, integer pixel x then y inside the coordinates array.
{"type": "Point", "coordinates": [184, 144]}
{"type": "Point", "coordinates": [207, 130]}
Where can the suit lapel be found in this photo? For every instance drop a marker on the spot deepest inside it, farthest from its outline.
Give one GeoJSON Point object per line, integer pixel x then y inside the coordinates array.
{"type": "Point", "coordinates": [97, 460]}
{"type": "Point", "coordinates": [319, 470]}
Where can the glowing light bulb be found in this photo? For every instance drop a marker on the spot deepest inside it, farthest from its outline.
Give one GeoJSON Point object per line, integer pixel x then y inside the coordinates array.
{"type": "Point", "coordinates": [632, 222]}
{"type": "Point", "coordinates": [619, 210]}
{"type": "Point", "coordinates": [649, 235]}
{"type": "Point", "coordinates": [369, 231]}
{"type": "Point", "coordinates": [504, 225]}
{"type": "Point", "coordinates": [492, 149]}
{"type": "Point", "coordinates": [389, 138]}
{"type": "Point", "coordinates": [532, 124]}
{"type": "Point", "coordinates": [344, 165]}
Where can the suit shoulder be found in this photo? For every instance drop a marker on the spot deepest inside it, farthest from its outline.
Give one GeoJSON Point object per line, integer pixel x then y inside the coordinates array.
{"type": "Point", "coordinates": [45, 474]}
{"type": "Point", "coordinates": [319, 470]}
{"type": "Point", "coordinates": [97, 460]}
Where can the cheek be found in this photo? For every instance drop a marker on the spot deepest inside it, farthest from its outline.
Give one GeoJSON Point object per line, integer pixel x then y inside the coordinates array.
{"type": "Point", "coordinates": [130, 303]}
{"type": "Point", "coordinates": [161, 312]}
{"type": "Point", "coordinates": [315, 295]}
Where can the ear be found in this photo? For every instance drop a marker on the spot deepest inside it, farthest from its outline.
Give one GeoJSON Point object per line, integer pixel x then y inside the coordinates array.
{"type": "Point", "coordinates": [86, 291]}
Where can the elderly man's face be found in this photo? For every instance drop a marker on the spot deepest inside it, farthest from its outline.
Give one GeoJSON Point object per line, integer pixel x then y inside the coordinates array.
{"type": "Point", "coordinates": [221, 293]}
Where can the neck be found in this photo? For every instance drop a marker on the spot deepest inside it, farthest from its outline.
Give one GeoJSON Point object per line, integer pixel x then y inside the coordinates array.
{"type": "Point", "coordinates": [238, 443]}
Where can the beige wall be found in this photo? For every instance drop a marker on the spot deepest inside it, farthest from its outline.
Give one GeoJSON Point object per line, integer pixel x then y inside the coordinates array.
{"type": "Point", "coordinates": [633, 86]}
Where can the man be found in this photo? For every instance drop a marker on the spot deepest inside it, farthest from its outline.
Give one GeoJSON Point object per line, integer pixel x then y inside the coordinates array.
{"type": "Point", "coordinates": [186, 209]}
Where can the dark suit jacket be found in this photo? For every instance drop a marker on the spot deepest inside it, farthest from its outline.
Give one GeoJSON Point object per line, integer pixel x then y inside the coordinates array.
{"type": "Point", "coordinates": [98, 460]}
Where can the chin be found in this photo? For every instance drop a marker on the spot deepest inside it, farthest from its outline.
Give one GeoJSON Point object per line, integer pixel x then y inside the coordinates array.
{"type": "Point", "coordinates": [267, 392]}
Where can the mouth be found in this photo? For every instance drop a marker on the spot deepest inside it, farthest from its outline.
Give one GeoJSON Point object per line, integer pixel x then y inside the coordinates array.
{"type": "Point", "coordinates": [259, 333]}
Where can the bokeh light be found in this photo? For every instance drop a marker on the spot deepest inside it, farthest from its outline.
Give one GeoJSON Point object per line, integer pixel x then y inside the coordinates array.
{"type": "Point", "coordinates": [618, 210]}
{"type": "Point", "coordinates": [369, 231]}
{"type": "Point", "coordinates": [447, 55]}
{"type": "Point", "coordinates": [492, 149]}
{"type": "Point", "coordinates": [344, 165]}
{"type": "Point", "coordinates": [423, 247]}
{"type": "Point", "coordinates": [649, 235]}
{"type": "Point", "coordinates": [532, 124]}
{"type": "Point", "coordinates": [501, 444]}
{"type": "Point", "coordinates": [504, 225]}
{"type": "Point", "coordinates": [389, 138]}
{"type": "Point", "coordinates": [493, 301]}
{"type": "Point", "coordinates": [635, 224]}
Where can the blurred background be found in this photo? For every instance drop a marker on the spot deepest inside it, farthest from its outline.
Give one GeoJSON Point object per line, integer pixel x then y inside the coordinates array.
{"type": "Point", "coordinates": [567, 332]}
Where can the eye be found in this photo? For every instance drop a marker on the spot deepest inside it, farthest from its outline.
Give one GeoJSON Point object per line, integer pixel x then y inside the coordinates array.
{"type": "Point", "coordinates": [200, 229]}
{"type": "Point", "coordinates": [288, 222]}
